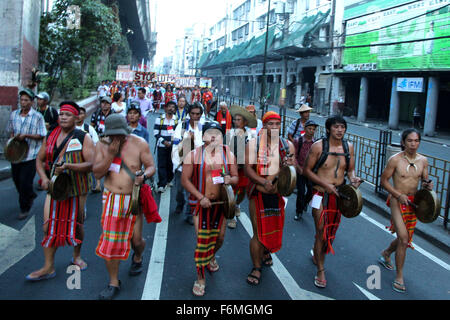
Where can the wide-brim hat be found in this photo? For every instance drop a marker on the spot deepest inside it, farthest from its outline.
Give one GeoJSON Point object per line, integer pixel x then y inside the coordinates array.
{"type": "Point", "coordinates": [304, 108]}
{"type": "Point", "coordinates": [116, 124]}
{"type": "Point", "coordinates": [251, 119]}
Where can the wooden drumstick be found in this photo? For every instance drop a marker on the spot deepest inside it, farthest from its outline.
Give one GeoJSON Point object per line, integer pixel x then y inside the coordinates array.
{"type": "Point", "coordinates": [217, 202]}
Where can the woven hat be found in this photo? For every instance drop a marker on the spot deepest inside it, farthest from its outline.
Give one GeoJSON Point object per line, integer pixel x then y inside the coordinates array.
{"type": "Point", "coordinates": [251, 119]}
{"type": "Point", "coordinates": [304, 108]}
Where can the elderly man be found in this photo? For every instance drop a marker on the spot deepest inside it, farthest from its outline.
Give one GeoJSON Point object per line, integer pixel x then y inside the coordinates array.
{"type": "Point", "coordinates": [224, 118]}
{"type": "Point", "coordinates": [120, 161]}
{"type": "Point", "coordinates": [70, 150]}
{"type": "Point", "coordinates": [297, 127]}
{"type": "Point", "coordinates": [49, 113]}
{"type": "Point", "coordinates": [26, 124]}
{"type": "Point", "coordinates": [204, 170]}
{"type": "Point", "coordinates": [264, 157]}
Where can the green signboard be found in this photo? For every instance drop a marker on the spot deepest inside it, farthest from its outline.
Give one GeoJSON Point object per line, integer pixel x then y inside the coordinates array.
{"type": "Point", "coordinates": [357, 8]}
{"type": "Point", "coordinates": [410, 37]}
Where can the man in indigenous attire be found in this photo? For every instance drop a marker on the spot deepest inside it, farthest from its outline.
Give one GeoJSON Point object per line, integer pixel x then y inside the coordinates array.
{"type": "Point", "coordinates": [196, 95]}
{"type": "Point", "coordinates": [264, 156]}
{"type": "Point", "coordinates": [120, 161]}
{"type": "Point", "coordinates": [169, 95]}
{"type": "Point", "coordinates": [237, 138]}
{"type": "Point", "coordinates": [207, 100]}
{"type": "Point", "coordinates": [69, 150]}
{"type": "Point", "coordinates": [406, 168]}
{"type": "Point", "coordinates": [204, 170]}
{"type": "Point", "coordinates": [224, 118]}
{"type": "Point", "coordinates": [325, 176]}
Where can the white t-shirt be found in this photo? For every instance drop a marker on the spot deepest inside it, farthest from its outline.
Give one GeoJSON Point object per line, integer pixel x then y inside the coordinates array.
{"type": "Point", "coordinates": [102, 90]}
{"type": "Point", "coordinates": [116, 108]}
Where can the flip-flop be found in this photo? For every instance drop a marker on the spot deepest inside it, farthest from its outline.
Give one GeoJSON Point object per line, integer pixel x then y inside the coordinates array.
{"type": "Point", "coordinates": [213, 266]}
{"type": "Point", "coordinates": [402, 288]}
{"type": "Point", "coordinates": [320, 283]}
{"type": "Point", "coordinates": [43, 277]}
{"type": "Point", "coordinates": [198, 290]}
{"type": "Point", "coordinates": [382, 260]}
{"type": "Point", "coordinates": [81, 266]}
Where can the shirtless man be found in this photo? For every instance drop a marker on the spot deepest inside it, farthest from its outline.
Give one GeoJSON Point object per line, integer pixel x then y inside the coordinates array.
{"type": "Point", "coordinates": [264, 157]}
{"type": "Point", "coordinates": [325, 177]}
{"type": "Point", "coordinates": [118, 161]}
{"type": "Point", "coordinates": [407, 169]}
{"type": "Point", "coordinates": [219, 166]}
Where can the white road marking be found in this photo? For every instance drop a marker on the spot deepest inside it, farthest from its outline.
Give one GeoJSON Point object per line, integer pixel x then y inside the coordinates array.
{"type": "Point", "coordinates": [152, 288]}
{"type": "Point", "coordinates": [291, 286]}
{"type": "Point", "coordinates": [15, 245]}
{"type": "Point", "coordinates": [416, 247]}
{"type": "Point", "coordinates": [367, 293]}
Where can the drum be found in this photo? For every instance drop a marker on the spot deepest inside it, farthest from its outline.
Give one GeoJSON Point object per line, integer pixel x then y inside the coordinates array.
{"type": "Point", "coordinates": [287, 180]}
{"type": "Point", "coordinates": [228, 201]}
{"type": "Point", "coordinates": [350, 201]}
{"type": "Point", "coordinates": [15, 150]}
{"type": "Point", "coordinates": [60, 187]}
{"type": "Point", "coordinates": [427, 205]}
{"type": "Point", "coordinates": [135, 205]}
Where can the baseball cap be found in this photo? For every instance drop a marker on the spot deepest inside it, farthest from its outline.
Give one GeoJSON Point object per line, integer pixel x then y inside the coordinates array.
{"type": "Point", "coordinates": [28, 92]}
{"type": "Point", "coordinates": [107, 99]}
{"type": "Point", "coordinates": [211, 125]}
{"type": "Point", "coordinates": [134, 105]}
{"type": "Point", "coordinates": [310, 122]}
{"type": "Point", "coordinates": [43, 95]}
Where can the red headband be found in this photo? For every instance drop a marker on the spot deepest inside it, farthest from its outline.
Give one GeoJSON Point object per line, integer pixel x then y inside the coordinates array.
{"type": "Point", "coordinates": [271, 115]}
{"type": "Point", "coordinates": [69, 108]}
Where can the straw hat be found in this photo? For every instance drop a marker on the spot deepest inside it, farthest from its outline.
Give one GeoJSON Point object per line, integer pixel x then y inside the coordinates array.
{"type": "Point", "coordinates": [251, 119]}
{"type": "Point", "coordinates": [304, 108]}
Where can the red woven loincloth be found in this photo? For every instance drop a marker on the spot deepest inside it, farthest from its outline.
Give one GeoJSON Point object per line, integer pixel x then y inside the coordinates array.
{"type": "Point", "coordinates": [409, 218]}
{"type": "Point", "coordinates": [269, 219]}
{"type": "Point", "coordinates": [62, 223]}
{"type": "Point", "coordinates": [331, 218]}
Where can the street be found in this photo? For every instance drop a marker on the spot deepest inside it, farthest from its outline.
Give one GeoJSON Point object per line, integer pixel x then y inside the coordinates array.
{"type": "Point", "coordinates": [352, 273]}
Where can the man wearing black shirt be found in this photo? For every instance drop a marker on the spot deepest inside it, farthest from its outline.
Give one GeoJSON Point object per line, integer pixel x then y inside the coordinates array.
{"type": "Point", "coordinates": [49, 113]}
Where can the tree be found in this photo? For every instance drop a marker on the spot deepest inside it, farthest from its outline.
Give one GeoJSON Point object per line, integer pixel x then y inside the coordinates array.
{"type": "Point", "coordinates": [60, 46]}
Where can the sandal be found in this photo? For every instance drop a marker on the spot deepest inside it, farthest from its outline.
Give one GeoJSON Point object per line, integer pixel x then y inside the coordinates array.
{"type": "Point", "coordinates": [198, 289]}
{"type": "Point", "coordinates": [251, 275]}
{"type": "Point", "coordinates": [82, 265]}
{"type": "Point", "coordinates": [399, 287]}
{"type": "Point", "coordinates": [213, 266]}
{"type": "Point", "coordinates": [231, 224]}
{"type": "Point", "coordinates": [387, 264]}
{"type": "Point", "coordinates": [267, 261]}
{"type": "Point", "coordinates": [320, 283]}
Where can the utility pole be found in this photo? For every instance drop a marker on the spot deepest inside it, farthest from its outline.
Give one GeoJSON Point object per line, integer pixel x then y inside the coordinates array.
{"type": "Point", "coordinates": [264, 77]}
{"type": "Point", "coordinates": [330, 96]}
{"type": "Point", "coordinates": [285, 71]}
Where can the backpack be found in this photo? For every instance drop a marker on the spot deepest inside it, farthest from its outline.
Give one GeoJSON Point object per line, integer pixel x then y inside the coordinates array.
{"type": "Point", "coordinates": [325, 152]}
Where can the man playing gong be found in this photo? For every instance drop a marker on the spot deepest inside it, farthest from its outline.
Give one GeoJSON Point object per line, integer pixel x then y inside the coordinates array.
{"type": "Point", "coordinates": [120, 160]}
{"type": "Point", "coordinates": [205, 170]}
{"type": "Point", "coordinates": [406, 168]}
{"type": "Point", "coordinates": [264, 156]}
{"type": "Point", "coordinates": [64, 150]}
{"type": "Point", "coordinates": [328, 161]}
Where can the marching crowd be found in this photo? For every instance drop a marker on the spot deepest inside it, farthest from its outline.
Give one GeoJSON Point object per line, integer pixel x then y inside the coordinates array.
{"type": "Point", "coordinates": [201, 145]}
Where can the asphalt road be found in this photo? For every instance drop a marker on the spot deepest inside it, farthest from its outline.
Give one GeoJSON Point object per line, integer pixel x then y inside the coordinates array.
{"type": "Point", "coordinates": [351, 272]}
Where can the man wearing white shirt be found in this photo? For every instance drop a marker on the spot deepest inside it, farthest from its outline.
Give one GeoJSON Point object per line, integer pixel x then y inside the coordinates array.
{"type": "Point", "coordinates": [190, 128]}
{"type": "Point", "coordinates": [102, 90]}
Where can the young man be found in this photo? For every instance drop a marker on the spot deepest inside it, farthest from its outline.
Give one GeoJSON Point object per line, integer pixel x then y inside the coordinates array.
{"type": "Point", "coordinates": [163, 131]}
{"type": "Point", "coordinates": [98, 117]}
{"type": "Point", "coordinates": [407, 169]}
{"type": "Point", "coordinates": [326, 164]}
{"type": "Point", "coordinates": [304, 187]}
{"type": "Point", "coordinates": [182, 109]}
{"type": "Point", "coordinates": [26, 124]}
{"type": "Point", "coordinates": [119, 162]}
{"type": "Point", "coordinates": [264, 156]}
{"type": "Point", "coordinates": [186, 131]}
{"type": "Point", "coordinates": [49, 113]}
{"type": "Point", "coordinates": [102, 90]}
{"type": "Point", "coordinates": [144, 103]}
{"type": "Point", "coordinates": [297, 127]}
{"type": "Point", "coordinates": [204, 170]}
{"type": "Point", "coordinates": [63, 220]}
{"type": "Point", "coordinates": [133, 116]}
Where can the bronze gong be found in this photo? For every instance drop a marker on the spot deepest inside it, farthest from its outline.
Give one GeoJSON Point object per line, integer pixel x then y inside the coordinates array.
{"type": "Point", "coordinates": [135, 205]}
{"type": "Point", "coordinates": [350, 201]}
{"type": "Point", "coordinates": [427, 205]}
{"type": "Point", "coordinates": [287, 180]}
{"type": "Point", "coordinates": [16, 150]}
{"type": "Point", "coordinates": [60, 186]}
{"type": "Point", "coordinates": [228, 201]}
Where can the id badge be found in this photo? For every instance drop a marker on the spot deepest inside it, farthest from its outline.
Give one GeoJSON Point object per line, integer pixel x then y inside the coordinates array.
{"type": "Point", "coordinates": [217, 177]}
{"type": "Point", "coordinates": [170, 130]}
{"type": "Point", "coordinates": [101, 126]}
{"type": "Point", "coordinates": [115, 165]}
{"type": "Point", "coordinates": [316, 201]}
{"type": "Point", "coordinates": [223, 122]}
